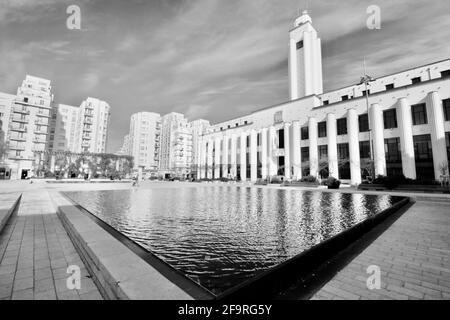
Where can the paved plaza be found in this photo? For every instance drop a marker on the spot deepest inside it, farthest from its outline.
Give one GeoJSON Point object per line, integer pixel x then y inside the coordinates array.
{"type": "Point", "coordinates": [35, 252]}
{"type": "Point", "coordinates": [413, 254]}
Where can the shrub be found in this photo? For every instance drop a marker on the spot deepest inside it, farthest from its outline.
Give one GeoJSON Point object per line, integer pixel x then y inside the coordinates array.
{"type": "Point", "coordinates": [332, 183]}
{"type": "Point", "coordinates": [309, 179]}
{"type": "Point", "coordinates": [391, 182]}
{"type": "Point", "coordinates": [276, 180]}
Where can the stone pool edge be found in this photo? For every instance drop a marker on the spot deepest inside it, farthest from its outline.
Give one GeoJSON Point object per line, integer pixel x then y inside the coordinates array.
{"type": "Point", "coordinates": [278, 279]}
{"type": "Point", "coordinates": [117, 271]}
{"type": "Point", "coordinates": [6, 214]}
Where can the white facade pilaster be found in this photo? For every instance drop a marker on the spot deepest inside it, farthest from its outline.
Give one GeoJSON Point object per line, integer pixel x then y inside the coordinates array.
{"type": "Point", "coordinates": [377, 126]}
{"type": "Point", "coordinates": [296, 154]}
{"type": "Point", "coordinates": [233, 155]}
{"type": "Point", "coordinates": [217, 158]}
{"type": "Point", "coordinates": [225, 143]}
{"type": "Point", "coordinates": [287, 151]}
{"type": "Point", "coordinates": [313, 145]}
{"type": "Point", "coordinates": [434, 105]}
{"type": "Point", "coordinates": [264, 154]}
{"type": "Point", "coordinates": [243, 156]}
{"type": "Point", "coordinates": [272, 147]}
{"type": "Point", "coordinates": [406, 139]}
{"type": "Point", "coordinates": [209, 168]}
{"type": "Point", "coordinates": [353, 146]}
{"type": "Point", "coordinates": [333, 166]}
{"type": "Point", "coordinates": [253, 156]}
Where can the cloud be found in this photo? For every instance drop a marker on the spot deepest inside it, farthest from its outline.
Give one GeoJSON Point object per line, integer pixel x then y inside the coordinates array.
{"type": "Point", "coordinates": [213, 59]}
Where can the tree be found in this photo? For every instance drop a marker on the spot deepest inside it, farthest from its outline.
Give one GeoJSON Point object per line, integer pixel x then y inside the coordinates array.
{"type": "Point", "coordinates": [3, 144]}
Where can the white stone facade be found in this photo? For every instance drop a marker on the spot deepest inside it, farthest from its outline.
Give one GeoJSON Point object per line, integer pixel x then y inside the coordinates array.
{"type": "Point", "coordinates": [404, 128]}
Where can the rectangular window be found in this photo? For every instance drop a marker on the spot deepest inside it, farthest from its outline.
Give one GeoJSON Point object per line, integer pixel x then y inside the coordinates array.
{"type": "Point", "coordinates": [305, 154]}
{"type": "Point", "coordinates": [363, 121]}
{"type": "Point", "coordinates": [345, 98]}
{"type": "Point", "coordinates": [364, 149]}
{"type": "Point", "coordinates": [344, 163]}
{"type": "Point", "coordinates": [323, 152]}
{"type": "Point", "coordinates": [299, 45]}
{"type": "Point", "coordinates": [419, 114]}
{"type": "Point", "coordinates": [305, 133]}
{"type": "Point", "coordinates": [322, 129]}
{"type": "Point", "coordinates": [393, 157]}
{"type": "Point", "coordinates": [390, 87]}
{"type": "Point", "coordinates": [416, 80]}
{"type": "Point", "coordinates": [281, 139]}
{"type": "Point", "coordinates": [446, 105]}
{"type": "Point", "coordinates": [447, 143]}
{"type": "Point", "coordinates": [390, 119]}
{"type": "Point", "coordinates": [445, 74]}
{"type": "Point", "coordinates": [364, 93]}
{"type": "Point", "coordinates": [423, 154]}
{"type": "Point", "coordinates": [326, 102]}
{"type": "Point", "coordinates": [342, 126]}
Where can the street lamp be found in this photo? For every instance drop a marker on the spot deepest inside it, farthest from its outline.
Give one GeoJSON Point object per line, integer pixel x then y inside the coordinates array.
{"type": "Point", "coordinates": [366, 80]}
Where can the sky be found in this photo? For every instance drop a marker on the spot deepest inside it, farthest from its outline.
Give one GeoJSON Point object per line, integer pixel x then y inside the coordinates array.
{"type": "Point", "coordinates": [211, 59]}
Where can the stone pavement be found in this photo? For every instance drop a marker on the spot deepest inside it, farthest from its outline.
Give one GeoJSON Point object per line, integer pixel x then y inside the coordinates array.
{"type": "Point", "coordinates": [413, 255]}
{"type": "Point", "coordinates": [35, 252]}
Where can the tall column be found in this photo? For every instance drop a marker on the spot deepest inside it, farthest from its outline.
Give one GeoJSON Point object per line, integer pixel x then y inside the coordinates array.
{"type": "Point", "coordinates": [272, 147]}
{"type": "Point", "coordinates": [200, 164]}
{"type": "Point", "coordinates": [209, 169]}
{"type": "Point", "coordinates": [377, 126]}
{"type": "Point", "coordinates": [264, 154]}
{"type": "Point", "coordinates": [225, 157]}
{"type": "Point", "coordinates": [434, 105]}
{"type": "Point", "coordinates": [233, 169]}
{"type": "Point", "coordinates": [313, 147]}
{"type": "Point", "coordinates": [406, 139]}
{"type": "Point", "coordinates": [296, 154]}
{"type": "Point", "coordinates": [333, 166]}
{"type": "Point", "coordinates": [287, 151]}
{"type": "Point", "coordinates": [217, 158]}
{"type": "Point", "coordinates": [253, 156]}
{"type": "Point", "coordinates": [243, 156]}
{"type": "Point", "coordinates": [353, 146]}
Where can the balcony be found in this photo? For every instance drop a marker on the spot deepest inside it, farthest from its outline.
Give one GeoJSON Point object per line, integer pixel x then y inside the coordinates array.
{"type": "Point", "coordinates": [19, 129]}
{"type": "Point", "coordinates": [12, 138]}
{"type": "Point", "coordinates": [87, 137]}
{"type": "Point", "coordinates": [40, 131]}
{"type": "Point", "coordinates": [41, 122]}
{"type": "Point", "coordinates": [43, 115]}
{"type": "Point", "coordinates": [39, 141]}
{"type": "Point", "coordinates": [88, 120]}
{"type": "Point", "coordinates": [17, 147]}
{"type": "Point", "coordinates": [85, 144]}
{"type": "Point", "coordinates": [20, 119]}
{"type": "Point", "coordinates": [22, 110]}
{"type": "Point", "coordinates": [87, 129]}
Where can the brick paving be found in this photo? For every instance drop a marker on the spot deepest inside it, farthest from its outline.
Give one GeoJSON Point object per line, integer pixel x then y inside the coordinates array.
{"type": "Point", "coordinates": [413, 256]}
{"type": "Point", "coordinates": [35, 252]}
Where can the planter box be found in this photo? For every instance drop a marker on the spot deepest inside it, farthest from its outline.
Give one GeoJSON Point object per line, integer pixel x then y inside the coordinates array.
{"type": "Point", "coordinates": [301, 184]}
{"type": "Point", "coordinates": [371, 187]}
{"type": "Point", "coordinates": [423, 188]}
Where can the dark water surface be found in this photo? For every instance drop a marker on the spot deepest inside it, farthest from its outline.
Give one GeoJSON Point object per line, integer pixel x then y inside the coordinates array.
{"type": "Point", "coordinates": [219, 235]}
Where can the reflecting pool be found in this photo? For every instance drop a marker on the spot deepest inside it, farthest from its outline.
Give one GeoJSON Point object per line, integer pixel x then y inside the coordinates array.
{"type": "Point", "coordinates": [222, 235]}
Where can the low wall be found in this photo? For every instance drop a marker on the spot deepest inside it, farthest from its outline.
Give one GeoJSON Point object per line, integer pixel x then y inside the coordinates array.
{"type": "Point", "coordinates": [6, 212]}
{"type": "Point", "coordinates": [117, 271]}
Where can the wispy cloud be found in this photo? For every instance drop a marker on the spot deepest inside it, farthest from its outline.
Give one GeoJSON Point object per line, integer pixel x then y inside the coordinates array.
{"type": "Point", "coordinates": [215, 59]}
